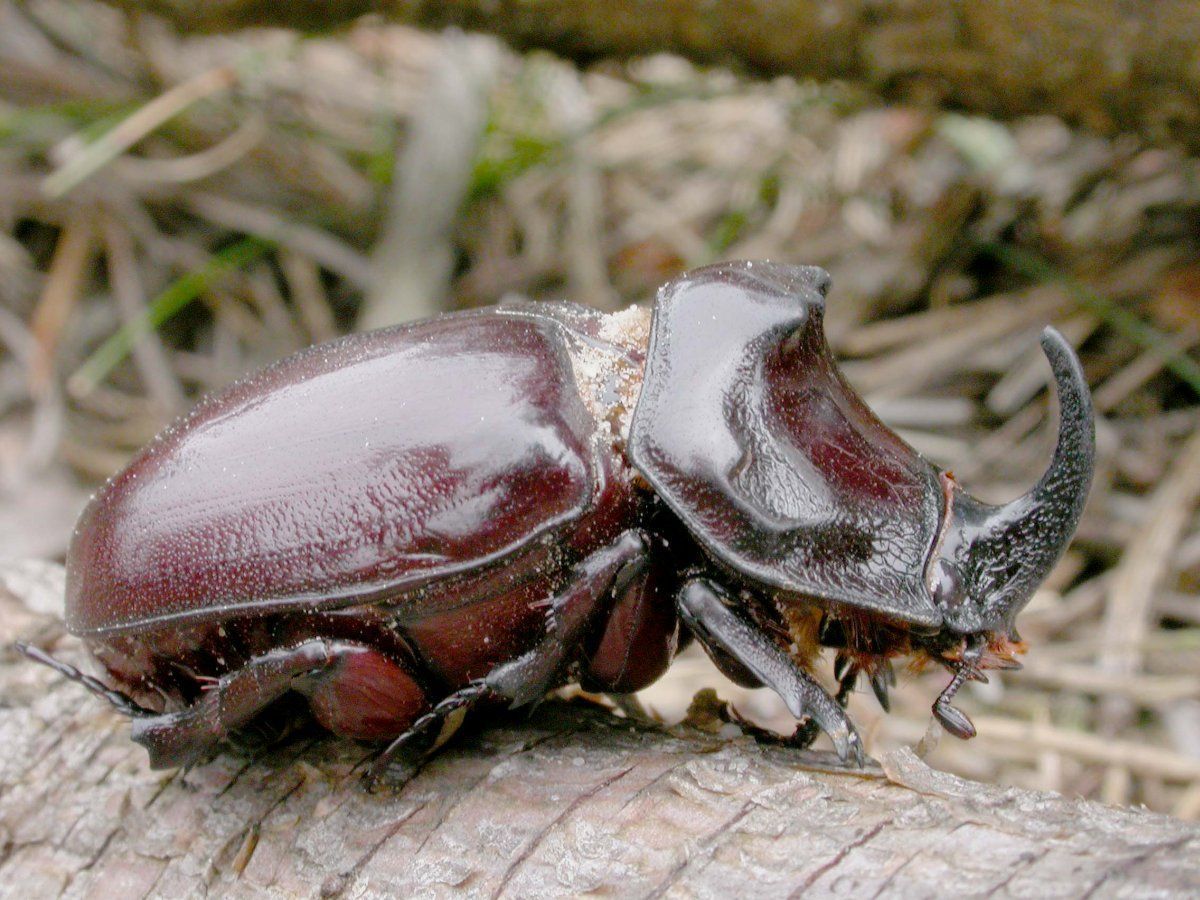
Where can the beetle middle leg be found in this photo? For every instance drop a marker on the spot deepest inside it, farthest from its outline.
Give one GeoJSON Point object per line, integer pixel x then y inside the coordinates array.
{"type": "Point", "coordinates": [704, 610]}
{"type": "Point", "coordinates": [526, 679]}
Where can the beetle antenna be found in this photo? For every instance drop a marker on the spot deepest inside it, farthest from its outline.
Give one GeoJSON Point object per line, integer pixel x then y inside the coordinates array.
{"type": "Point", "coordinates": [121, 702]}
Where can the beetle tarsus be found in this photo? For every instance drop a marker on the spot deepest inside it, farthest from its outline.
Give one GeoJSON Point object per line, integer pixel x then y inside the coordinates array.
{"type": "Point", "coordinates": [434, 728]}
{"type": "Point", "coordinates": [805, 734]}
{"type": "Point", "coordinates": [704, 608]}
{"type": "Point", "coordinates": [118, 700]}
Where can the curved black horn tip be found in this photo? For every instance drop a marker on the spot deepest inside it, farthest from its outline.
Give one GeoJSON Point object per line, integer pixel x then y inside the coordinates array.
{"type": "Point", "coordinates": [1072, 384]}
{"type": "Point", "coordinates": [1061, 354]}
{"type": "Point", "coordinates": [1054, 345]}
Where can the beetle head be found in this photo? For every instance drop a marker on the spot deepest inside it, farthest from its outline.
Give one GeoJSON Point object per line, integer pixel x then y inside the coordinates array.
{"type": "Point", "coordinates": [749, 432]}
{"type": "Point", "coordinates": [992, 558]}
{"type": "Point", "coordinates": [751, 436]}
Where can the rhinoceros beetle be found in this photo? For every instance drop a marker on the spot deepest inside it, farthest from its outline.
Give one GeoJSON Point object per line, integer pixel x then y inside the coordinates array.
{"type": "Point", "coordinates": [485, 505]}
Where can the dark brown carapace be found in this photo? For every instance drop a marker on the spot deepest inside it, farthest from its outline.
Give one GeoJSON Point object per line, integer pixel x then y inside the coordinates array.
{"type": "Point", "coordinates": [482, 506]}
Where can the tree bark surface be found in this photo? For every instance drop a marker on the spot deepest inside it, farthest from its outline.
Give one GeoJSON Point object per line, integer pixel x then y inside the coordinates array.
{"type": "Point", "coordinates": [571, 800]}
{"type": "Point", "coordinates": [1112, 65]}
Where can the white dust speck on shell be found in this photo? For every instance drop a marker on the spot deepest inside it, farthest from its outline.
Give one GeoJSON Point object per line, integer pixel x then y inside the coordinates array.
{"type": "Point", "coordinates": [609, 384]}
{"type": "Point", "coordinates": [629, 328]}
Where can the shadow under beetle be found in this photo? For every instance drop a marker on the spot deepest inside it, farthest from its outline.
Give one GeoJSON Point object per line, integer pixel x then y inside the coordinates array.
{"type": "Point", "coordinates": [486, 505]}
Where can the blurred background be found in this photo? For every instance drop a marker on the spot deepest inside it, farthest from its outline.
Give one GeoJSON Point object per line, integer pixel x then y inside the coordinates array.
{"type": "Point", "coordinates": [189, 193]}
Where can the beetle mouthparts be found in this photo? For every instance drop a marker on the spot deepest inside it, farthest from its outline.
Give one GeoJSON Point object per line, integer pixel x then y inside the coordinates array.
{"type": "Point", "coordinates": [966, 668]}
{"type": "Point", "coordinates": [954, 720]}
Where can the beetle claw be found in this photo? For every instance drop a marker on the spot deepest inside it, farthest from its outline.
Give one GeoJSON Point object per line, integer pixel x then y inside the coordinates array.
{"type": "Point", "coordinates": [848, 746]}
{"type": "Point", "coordinates": [840, 664]}
{"type": "Point", "coordinates": [879, 684]}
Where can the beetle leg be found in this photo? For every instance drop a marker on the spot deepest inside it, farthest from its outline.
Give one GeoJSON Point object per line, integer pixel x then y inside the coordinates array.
{"type": "Point", "coordinates": [432, 729]}
{"type": "Point", "coordinates": [703, 607]}
{"type": "Point", "coordinates": [879, 685]}
{"type": "Point", "coordinates": [179, 738]}
{"type": "Point", "coordinates": [118, 700]}
{"type": "Point", "coordinates": [845, 671]}
{"type": "Point", "coordinates": [526, 679]}
{"type": "Point", "coordinates": [639, 635]}
{"type": "Point", "coordinates": [847, 681]}
{"type": "Point", "coordinates": [602, 576]}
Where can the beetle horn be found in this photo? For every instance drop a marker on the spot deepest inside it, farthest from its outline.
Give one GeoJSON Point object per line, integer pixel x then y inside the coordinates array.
{"type": "Point", "coordinates": [1004, 552]}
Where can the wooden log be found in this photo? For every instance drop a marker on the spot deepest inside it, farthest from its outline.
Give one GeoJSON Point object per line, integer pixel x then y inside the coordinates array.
{"type": "Point", "coordinates": [567, 801]}
{"type": "Point", "coordinates": [1110, 65]}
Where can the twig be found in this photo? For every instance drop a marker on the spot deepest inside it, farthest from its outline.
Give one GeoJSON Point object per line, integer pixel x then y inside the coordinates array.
{"type": "Point", "coordinates": [195, 166]}
{"type": "Point", "coordinates": [1138, 331]}
{"type": "Point", "coordinates": [332, 253]}
{"type": "Point", "coordinates": [93, 157]}
{"type": "Point", "coordinates": [1143, 569]}
{"type": "Point", "coordinates": [148, 352]}
{"type": "Point", "coordinates": [412, 260]}
{"type": "Point", "coordinates": [60, 295]}
{"type": "Point", "coordinates": [304, 282]}
{"type": "Point", "coordinates": [176, 296]}
{"type": "Point", "coordinates": [1029, 739]}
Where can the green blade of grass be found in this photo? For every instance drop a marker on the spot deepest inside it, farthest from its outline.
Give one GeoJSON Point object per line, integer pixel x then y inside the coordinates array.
{"type": "Point", "coordinates": [1141, 333]}
{"type": "Point", "coordinates": [173, 298]}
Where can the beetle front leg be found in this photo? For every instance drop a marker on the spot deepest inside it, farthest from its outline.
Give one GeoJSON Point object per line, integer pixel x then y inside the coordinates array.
{"type": "Point", "coordinates": [704, 609]}
{"type": "Point", "coordinates": [531, 675]}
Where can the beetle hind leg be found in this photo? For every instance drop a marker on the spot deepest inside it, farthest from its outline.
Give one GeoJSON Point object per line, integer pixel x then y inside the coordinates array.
{"type": "Point", "coordinates": [429, 732]}
{"type": "Point", "coordinates": [352, 689]}
{"type": "Point", "coordinates": [118, 700]}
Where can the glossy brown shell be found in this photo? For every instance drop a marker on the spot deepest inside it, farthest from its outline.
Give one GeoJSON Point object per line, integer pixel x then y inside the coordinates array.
{"type": "Point", "coordinates": [353, 472]}
{"type": "Point", "coordinates": [746, 428]}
